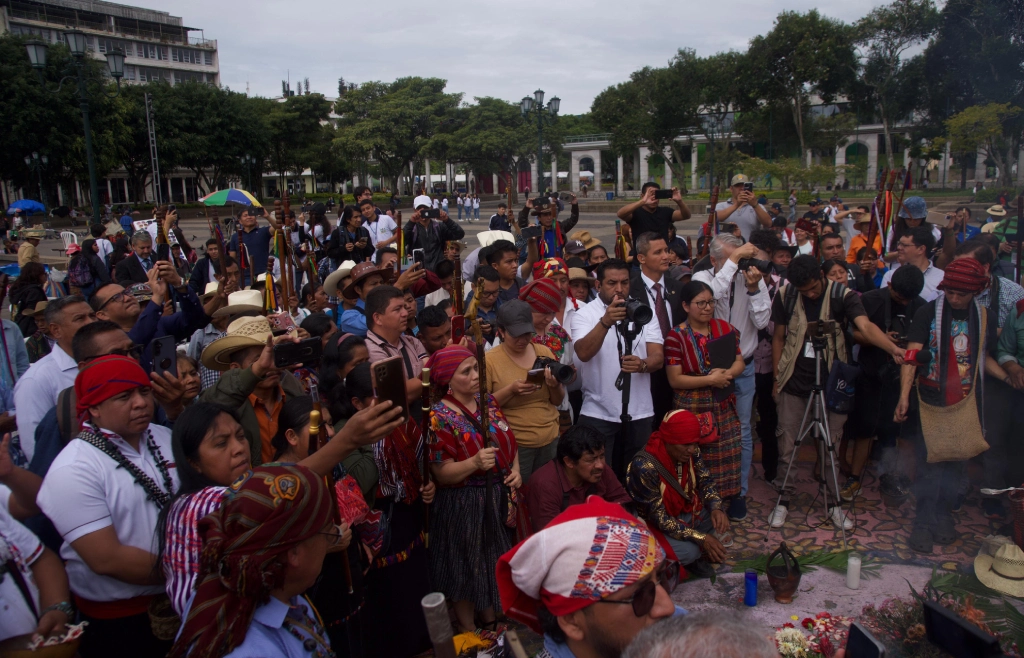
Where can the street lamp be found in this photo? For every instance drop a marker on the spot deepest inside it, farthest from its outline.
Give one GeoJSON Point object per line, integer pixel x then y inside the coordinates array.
{"type": "Point", "coordinates": [36, 164]}
{"type": "Point", "coordinates": [529, 105]}
{"type": "Point", "coordinates": [76, 41]}
{"type": "Point", "coordinates": [248, 161]}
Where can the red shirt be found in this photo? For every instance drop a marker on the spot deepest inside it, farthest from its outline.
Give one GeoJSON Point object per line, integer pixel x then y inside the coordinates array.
{"type": "Point", "coordinates": [549, 488]}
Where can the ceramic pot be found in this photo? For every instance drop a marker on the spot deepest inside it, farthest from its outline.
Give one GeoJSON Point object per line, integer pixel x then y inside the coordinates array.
{"type": "Point", "coordinates": [783, 578]}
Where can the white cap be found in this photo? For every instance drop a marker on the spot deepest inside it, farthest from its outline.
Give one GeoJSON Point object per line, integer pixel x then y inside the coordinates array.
{"type": "Point", "coordinates": [422, 200]}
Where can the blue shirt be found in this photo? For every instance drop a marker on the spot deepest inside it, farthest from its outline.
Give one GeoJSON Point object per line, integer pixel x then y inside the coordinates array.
{"type": "Point", "coordinates": [126, 223]}
{"type": "Point", "coordinates": [971, 231]}
{"type": "Point", "coordinates": [353, 320]}
{"type": "Point", "coordinates": [267, 635]}
{"type": "Point", "coordinates": [257, 243]}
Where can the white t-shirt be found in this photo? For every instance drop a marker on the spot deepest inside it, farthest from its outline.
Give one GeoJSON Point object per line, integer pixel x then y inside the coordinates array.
{"type": "Point", "coordinates": [600, 397]}
{"type": "Point", "coordinates": [444, 205]}
{"type": "Point", "coordinates": [745, 217]}
{"type": "Point", "coordinates": [436, 297]}
{"type": "Point", "coordinates": [476, 202]}
{"type": "Point", "coordinates": [382, 229]}
{"type": "Point", "coordinates": [932, 279]}
{"type": "Point", "coordinates": [19, 545]}
{"type": "Point", "coordinates": [85, 491]}
{"type": "Point", "coordinates": [458, 200]}
{"type": "Point", "coordinates": [805, 249]}
{"type": "Point", "coordinates": [436, 205]}
{"type": "Point", "coordinates": [104, 248]}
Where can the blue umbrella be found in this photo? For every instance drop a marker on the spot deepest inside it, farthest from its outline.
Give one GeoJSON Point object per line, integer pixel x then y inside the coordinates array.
{"type": "Point", "coordinates": [26, 205]}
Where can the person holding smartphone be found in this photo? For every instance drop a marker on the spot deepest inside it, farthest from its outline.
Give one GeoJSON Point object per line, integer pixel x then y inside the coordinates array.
{"type": "Point", "coordinates": [648, 215]}
{"type": "Point", "coordinates": [742, 209]}
{"type": "Point", "coordinates": [350, 241]}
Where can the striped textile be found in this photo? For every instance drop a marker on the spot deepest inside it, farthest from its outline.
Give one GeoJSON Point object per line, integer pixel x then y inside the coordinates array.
{"type": "Point", "coordinates": [183, 544]}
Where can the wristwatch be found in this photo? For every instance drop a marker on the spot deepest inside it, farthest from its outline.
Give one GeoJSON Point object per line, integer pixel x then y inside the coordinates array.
{"type": "Point", "coordinates": [64, 607]}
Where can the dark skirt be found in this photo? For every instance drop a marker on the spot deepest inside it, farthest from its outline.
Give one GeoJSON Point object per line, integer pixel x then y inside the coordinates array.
{"type": "Point", "coordinates": [342, 613]}
{"type": "Point", "coordinates": [396, 584]}
{"type": "Point", "coordinates": [461, 563]}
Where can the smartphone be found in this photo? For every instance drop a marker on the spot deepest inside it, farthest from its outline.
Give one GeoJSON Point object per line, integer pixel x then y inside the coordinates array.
{"type": "Point", "coordinates": [165, 356]}
{"type": "Point", "coordinates": [281, 323]}
{"type": "Point", "coordinates": [749, 187]}
{"type": "Point", "coordinates": [430, 213]}
{"type": "Point", "coordinates": [258, 212]}
{"type": "Point", "coordinates": [458, 328]}
{"type": "Point", "coordinates": [861, 644]}
{"type": "Point", "coordinates": [389, 383]}
{"type": "Point", "coordinates": [954, 635]}
{"type": "Point", "coordinates": [305, 351]}
{"type": "Point", "coordinates": [172, 208]}
{"type": "Point", "coordinates": [417, 256]}
{"type": "Point", "coordinates": [535, 376]}
{"type": "Point", "coordinates": [663, 194]}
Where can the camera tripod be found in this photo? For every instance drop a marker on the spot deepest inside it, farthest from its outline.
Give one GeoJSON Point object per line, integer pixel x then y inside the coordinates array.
{"type": "Point", "coordinates": [623, 383]}
{"type": "Point", "coordinates": [815, 424]}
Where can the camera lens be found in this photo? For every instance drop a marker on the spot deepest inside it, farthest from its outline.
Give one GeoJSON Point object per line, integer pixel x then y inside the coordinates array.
{"type": "Point", "coordinates": [765, 266]}
{"type": "Point", "coordinates": [638, 312]}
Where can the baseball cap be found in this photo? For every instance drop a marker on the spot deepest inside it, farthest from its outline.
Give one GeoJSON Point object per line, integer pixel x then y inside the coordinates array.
{"type": "Point", "coordinates": [575, 247]}
{"type": "Point", "coordinates": [738, 179]}
{"type": "Point", "coordinates": [516, 317]}
{"type": "Point", "coordinates": [422, 200]}
{"type": "Point", "coordinates": [777, 205]}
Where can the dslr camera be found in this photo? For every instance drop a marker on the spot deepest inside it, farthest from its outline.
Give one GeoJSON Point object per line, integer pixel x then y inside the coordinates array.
{"type": "Point", "coordinates": [637, 312]}
{"type": "Point", "coordinates": [565, 374]}
{"type": "Point", "coordinates": [765, 266]}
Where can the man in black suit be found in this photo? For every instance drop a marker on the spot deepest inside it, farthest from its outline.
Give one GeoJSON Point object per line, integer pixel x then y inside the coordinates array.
{"type": "Point", "coordinates": [661, 293]}
{"type": "Point", "coordinates": [133, 268]}
{"type": "Point", "coordinates": [205, 268]}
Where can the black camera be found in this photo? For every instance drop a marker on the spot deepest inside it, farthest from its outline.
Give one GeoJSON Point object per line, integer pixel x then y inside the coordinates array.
{"type": "Point", "coordinates": [764, 265]}
{"type": "Point", "coordinates": [565, 374]}
{"type": "Point", "coordinates": [638, 312]}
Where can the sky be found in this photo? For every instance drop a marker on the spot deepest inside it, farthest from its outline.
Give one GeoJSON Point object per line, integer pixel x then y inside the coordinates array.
{"type": "Point", "coordinates": [572, 49]}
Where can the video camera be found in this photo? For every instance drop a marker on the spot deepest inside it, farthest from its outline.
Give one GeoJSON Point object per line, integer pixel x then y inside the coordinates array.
{"type": "Point", "coordinates": [565, 374]}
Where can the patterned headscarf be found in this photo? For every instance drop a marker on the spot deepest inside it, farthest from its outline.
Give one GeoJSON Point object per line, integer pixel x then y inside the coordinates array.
{"type": "Point", "coordinates": [965, 275]}
{"type": "Point", "coordinates": [681, 427]}
{"type": "Point", "coordinates": [105, 377]}
{"type": "Point", "coordinates": [548, 266]}
{"type": "Point", "coordinates": [585, 554]}
{"type": "Point", "coordinates": [268, 511]}
{"type": "Point", "coordinates": [543, 295]}
{"type": "Point", "coordinates": [444, 362]}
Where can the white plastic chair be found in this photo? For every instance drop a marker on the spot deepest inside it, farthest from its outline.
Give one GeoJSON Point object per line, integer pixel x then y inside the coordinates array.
{"type": "Point", "coordinates": [69, 238]}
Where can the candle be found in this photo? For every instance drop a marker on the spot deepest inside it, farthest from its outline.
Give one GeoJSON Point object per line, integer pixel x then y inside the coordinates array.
{"type": "Point", "coordinates": [750, 587]}
{"type": "Point", "coordinates": [853, 571]}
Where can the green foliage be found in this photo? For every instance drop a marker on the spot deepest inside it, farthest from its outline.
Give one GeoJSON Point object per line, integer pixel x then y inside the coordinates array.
{"type": "Point", "coordinates": [995, 128]}
{"type": "Point", "coordinates": [833, 560]}
{"type": "Point", "coordinates": [792, 172]}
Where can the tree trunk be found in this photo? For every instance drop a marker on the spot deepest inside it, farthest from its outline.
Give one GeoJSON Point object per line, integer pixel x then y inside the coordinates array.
{"type": "Point", "coordinates": [798, 120]}
{"type": "Point", "coordinates": [888, 138]}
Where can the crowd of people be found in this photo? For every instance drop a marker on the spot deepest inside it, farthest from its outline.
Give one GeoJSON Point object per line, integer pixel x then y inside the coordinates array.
{"type": "Point", "coordinates": [226, 499]}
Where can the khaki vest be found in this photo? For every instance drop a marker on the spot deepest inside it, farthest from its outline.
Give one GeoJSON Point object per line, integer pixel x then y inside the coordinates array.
{"type": "Point", "coordinates": [798, 328]}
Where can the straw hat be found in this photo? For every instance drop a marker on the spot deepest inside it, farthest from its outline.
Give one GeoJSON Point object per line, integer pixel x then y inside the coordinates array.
{"type": "Point", "coordinates": [360, 273]}
{"type": "Point", "coordinates": [1004, 572]}
{"type": "Point", "coordinates": [209, 292]}
{"type": "Point", "coordinates": [487, 238]}
{"type": "Point", "coordinates": [588, 240]}
{"type": "Point", "coordinates": [36, 232]}
{"type": "Point", "coordinates": [38, 310]}
{"type": "Point", "coordinates": [241, 301]}
{"type": "Point", "coordinates": [578, 274]}
{"type": "Point", "coordinates": [332, 280]}
{"type": "Point", "coordinates": [243, 332]}
{"type": "Point", "coordinates": [990, 227]}
{"type": "Point", "coordinates": [997, 211]}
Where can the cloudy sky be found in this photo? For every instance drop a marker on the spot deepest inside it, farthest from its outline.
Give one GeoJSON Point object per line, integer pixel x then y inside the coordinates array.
{"type": "Point", "coordinates": [570, 48]}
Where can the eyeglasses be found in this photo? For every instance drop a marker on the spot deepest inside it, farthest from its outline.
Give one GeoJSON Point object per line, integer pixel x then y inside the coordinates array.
{"type": "Point", "coordinates": [667, 575]}
{"type": "Point", "coordinates": [333, 537]}
{"type": "Point", "coordinates": [710, 303]}
{"type": "Point", "coordinates": [134, 352]}
{"type": "Point", "coordinates": [485, 293]}
{"type": "Point", "coordinates": [116, 297]}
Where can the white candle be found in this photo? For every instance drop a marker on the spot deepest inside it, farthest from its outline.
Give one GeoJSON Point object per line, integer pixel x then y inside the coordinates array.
{"type": "Point", "coordinates": [853, 571]}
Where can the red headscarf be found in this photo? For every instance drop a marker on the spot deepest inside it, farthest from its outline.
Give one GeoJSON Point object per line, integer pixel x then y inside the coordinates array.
{"type": "Point", "coordinates": [965, 275]}
{"type": "Point", "coordinates": [545, 267]}
{"type": "Point", "coordinates": [268, 511]}
{"type": "Point", "coordinates": [105, 377]}
{"type": "Point", "coordinates": [543, 296]}
{"type": "Point", "coordinates": [681, 427]}
{"type": "Point", "coordinates": [444, 362]}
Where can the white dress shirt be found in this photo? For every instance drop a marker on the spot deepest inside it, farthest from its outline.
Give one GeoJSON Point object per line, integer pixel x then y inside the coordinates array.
{"type": "Point", "coordinates": [932, 279]}
{"type": "Point", "coordinates": [649, 284]}
{"type": "Point", "coordinates": [748, 313]}
{"type": "Point", "coordinates": [600, 397]}
{"type": "Point", "coordinates": [36, 393]}
{"type": "Point", "coordinates": [85, 491]}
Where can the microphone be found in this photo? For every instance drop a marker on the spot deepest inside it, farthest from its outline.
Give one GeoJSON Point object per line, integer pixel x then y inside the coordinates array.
{"type": "Point", "coordinates": [917, 357]}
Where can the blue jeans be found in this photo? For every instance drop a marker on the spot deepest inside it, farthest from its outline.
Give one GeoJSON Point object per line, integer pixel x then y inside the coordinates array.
{"type": "Point", "coordinates": [476, 212]}
{"type": "Point", "coordinates": [745, 387]}
{"type": "Point", "coordinates": [460, 211]}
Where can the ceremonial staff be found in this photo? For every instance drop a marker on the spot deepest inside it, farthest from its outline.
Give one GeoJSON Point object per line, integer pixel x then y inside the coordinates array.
{"type": "Point", "coordinates": [876, 216]}
{"type": "Point", "coordinates": [163, 247]}
{"type": "Point", "coordinates": [485, 428]}
{"type": "Point", "coordinates": [711, 227]}
{"type": "Point", "coordinates": [317, 440]}
{"type": "Point", "coordinates": [458, 317]}
{"type": "Point", "coordinates": [215, 232]}
{"type": "Point", "coordinates": [1020, 224]}
{"type": "Point", "coordinates": [425, 432]}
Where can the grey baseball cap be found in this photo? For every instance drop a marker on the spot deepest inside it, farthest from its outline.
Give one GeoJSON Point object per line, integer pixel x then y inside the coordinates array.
{"type": "Point", "coordinates": [516, 317]}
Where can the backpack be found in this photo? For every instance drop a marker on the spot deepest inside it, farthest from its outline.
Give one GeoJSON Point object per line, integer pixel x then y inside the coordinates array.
{"type": "Point", "coordinates": [79, 273]}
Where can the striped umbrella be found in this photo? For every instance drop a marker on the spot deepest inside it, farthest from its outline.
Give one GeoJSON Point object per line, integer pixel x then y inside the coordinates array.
{"type": "Point", "coordinates": [225, 197]}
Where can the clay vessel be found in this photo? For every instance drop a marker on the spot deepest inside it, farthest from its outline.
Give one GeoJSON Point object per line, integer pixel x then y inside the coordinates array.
{"type": "Point", "coordinates": [783, 578]}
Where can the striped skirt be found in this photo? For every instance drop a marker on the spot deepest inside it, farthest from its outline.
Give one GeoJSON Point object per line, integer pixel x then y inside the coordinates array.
{"type": "Point", "coordinates": [723, 457]}
{"type": "Point", "coordinates": [461, 564]}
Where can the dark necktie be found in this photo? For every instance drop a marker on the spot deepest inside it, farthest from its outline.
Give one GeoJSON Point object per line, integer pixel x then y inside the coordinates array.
{"type": "Point", "coordinates": [146, 264]}
{"type": "Point", "coordinates": [661, 312]}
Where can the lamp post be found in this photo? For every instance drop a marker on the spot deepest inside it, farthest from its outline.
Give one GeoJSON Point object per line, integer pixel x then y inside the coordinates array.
{"type": "Point", "coordinates": [536, 104]}
{"type": "Point", "coordinates": [36, 164]}
{"type": "Point", "coordinates": [76, 41]}
{"type": "Point", "coordinates": [248, 161]}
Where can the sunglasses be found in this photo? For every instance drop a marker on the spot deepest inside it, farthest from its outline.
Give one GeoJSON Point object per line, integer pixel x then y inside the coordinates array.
{"type": "Point", "coordinates": [667, 575]}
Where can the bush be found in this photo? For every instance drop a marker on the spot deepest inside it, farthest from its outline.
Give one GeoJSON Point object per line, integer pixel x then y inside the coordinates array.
{"type": "Point", "coordinates": [991, 195]}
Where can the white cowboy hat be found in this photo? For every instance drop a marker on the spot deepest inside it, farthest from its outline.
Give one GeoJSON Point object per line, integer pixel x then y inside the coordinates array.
{"type": "Point", "coordinates": [242, 333]}
{"type": "Point", "coordinates": [996, 211]}
{"type": "Point", "coordinates": [210, 291]}
{"type": "Point", "coordinates": [487, 238]}
{"type": "Point", "coordinates": [335, 277]}
{"type": "Point", "coordinates": [241, 301]}
{"type": "Point", "coordinates": [1004, 572]}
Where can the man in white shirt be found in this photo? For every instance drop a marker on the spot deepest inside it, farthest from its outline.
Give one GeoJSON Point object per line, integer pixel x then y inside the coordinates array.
{"type": "Point", "coordinates": [382, 228]}
{"type": "Point", "coordinates": [36, 392]}
{"type": "Point", "coordinates": [104, 493]}
{"type": "Point", "coordinates": [913, 249]}
{"type": "Point", "coordinates": [661, 293]}
{"type": "Point", "coordinates": [742, 209]}
{"type": "Point", "coordinates": [601, 356]}
{"type": "Point", "coordinates": [742, 301]}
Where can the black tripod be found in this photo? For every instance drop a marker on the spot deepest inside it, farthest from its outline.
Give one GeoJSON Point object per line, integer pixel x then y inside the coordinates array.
{"type": "Point", "coordinates": [623, 383]}
{"type": "Point", "coordinates": [815, 424]}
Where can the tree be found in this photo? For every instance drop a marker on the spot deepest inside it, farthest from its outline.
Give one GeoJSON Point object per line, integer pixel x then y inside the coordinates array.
{"type": "Point", "coordinates": [293, 129]}
{"type": "Point", "coordinates": [493, 136]}
{"type": "Point", "coordinates": [803, 54]}
{"type": "Point", "coordinates": [993, 128]}
{"type": "Point", "coordinates": [887, 83]}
